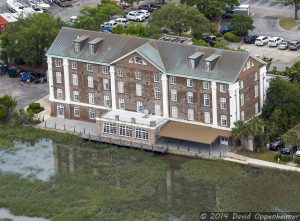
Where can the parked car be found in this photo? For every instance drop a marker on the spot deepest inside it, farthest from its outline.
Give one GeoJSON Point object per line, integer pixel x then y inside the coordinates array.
{"type": "Point", "coordinates": [275, 41]}
{"type": "Point", "coordinates": [250, 39]}
{"type": "Point", "coordinates": [135, 16]}
{"type": "Point", "coordinates": [261, 40]}
{"type": "Point", "coordinates": [123, 4]}
{"type": "Point", "coordinates": [144, 12]}
{"type": "Point", "coordinates": [276, 145]}
{"type": "Point", "coordinates": [155, 5]}
{"type": "Point", "coordinates": [110, 24]}
{"type": "Point", "coordinates": [123, 21]}
{"type": "Point", "coordinates": [228, 14]}
{"type": "Point", "coordinates": [226, 29]}
{"type": "Point", "coordinates": [289, 150]}
{"type": "Point", "coordinates": [297, 154]}
{"type": "Point", "coordinates": [294, 45]}
{"type": "Point", "coordinates": [211, 40]}
{"type": "Point", "coordinates": [146, 7]}
{"type": "Point", "coordinates": [284, 45]}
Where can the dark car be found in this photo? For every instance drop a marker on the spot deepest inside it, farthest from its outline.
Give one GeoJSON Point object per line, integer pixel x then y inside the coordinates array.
{"type": "Point", "coordinates": [146, 7]}
{"type": "Point", "coordinates": [289, 150]}
{"type": "Point", "coordinates": [155, 5]}
{"type": "Point", "coordinates": [277, 145]}
{"type": "Point", "coordinates": [228, 14]}
{"type": "Point", "coordinates": [294, 45]}
{"type": "Point", "coordinates": [211, 40]}
{"type": "Point", "coordinates": [226, 29]}
{"type": "Point", "coordinates": [250, 39]}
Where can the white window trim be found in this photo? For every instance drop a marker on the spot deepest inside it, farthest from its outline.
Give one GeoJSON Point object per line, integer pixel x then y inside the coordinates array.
{"type": "Point", "coordinates": [90, 81]}
{"type": "Point", "coordinates": [189, 82]}
{"type": "Point", "coordinates": [90, 67]}
{"type": "Point", "coordinates": [74, 65]}
{"type": "Point", "coordinates": [173, 80]}
{"type": "Point", "coordinates": [74, 111]}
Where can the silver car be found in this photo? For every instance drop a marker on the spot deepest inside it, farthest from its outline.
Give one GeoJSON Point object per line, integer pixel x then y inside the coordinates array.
{"type": "Point", "coordinates": [284, 45]}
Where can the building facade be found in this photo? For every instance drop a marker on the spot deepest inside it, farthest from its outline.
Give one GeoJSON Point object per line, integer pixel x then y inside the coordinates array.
{"type": "Point", "coordinates": [133, 87]}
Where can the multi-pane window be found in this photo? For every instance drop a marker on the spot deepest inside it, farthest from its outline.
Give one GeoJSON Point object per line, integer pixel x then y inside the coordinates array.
{"type": "Point", "coordinates": [120, 73]}
{"type": "Point", "coordinates": [105, 84]}
{"type": "Point", "coordinates": [125, 131]}
{"type": "Point", "coordinates": [241, 84]}
{"type": "Point", "coordinates": [206, 100]}
{"type": "Point", "coordinates": [77, 47]}
{"type": "Point", "coordinates": [121, 103]}
{"type": "Point", "coordinates": [242, 115]}
{"type": "Point", "coordinates": [174, 112]}
{"type": "Point", "coordinates": [138, 90]}
{"type": "Point", "coordinates": [223, 120]}
{"type": "Point", "coordinates": [207, 117]}
{"type": "Point", "coordinates": [90, 81]}
{"type": "Point", "coordinates": [75, 79]}
{"type": "Point", "coordinates": [57, 63]}
{"type": "Point", "coordinates": [156, 78]}
{"type": "Point", "coordinates": [256, 108]}
{"type": "Point", "coordinates": [207, 66]}
{"type": "Point", "coordinates": [89, 67]}
{"type": "Point", "coordinates": [222, 88]}
{"type": "Point", "coordinates": [173, 95]}
{"type": "Point", "coordinates": [92, 114]}
{"type": "Point", "coordinates": [109, 128]}
{"type": "Point", "coordinates": [137, 60]}
{"type": "Point", "coordinates": [59, 93]}
{"type": "Point", "coordinates": [91, 98]}
{"type": "Point", "coordinates": [106, 100]}
{"type": "Point", "coordinates": [189, 82]}
{"type": "Point", "coordinates": [256, 91]}
{"type": "Point", "coordinates": [189, 97]}
{"type": "Point", "coordinates": [58, 77]}
{"type": "Point", "coordinates": [120, 87]}
{"type": "Point", "coordinates": [141, 134]}
{"type": "Point", "coordinates": [76, 112]}
{"type": "Point", "coordinates": [173, 80]}
{"type": "Point", "coordinates": [206, 85]}
{"type": "Point", "coordinates": [223, 103]}
{"type": "Point", "coordinates": [138, 75]}
{"type": "Point", "coordinates": [190, 114]}
{"type": "Point", "coordinates": [139, 106]}
{"type": "Point", "coordinates": [76, 96]}
{"type": "Point", "coordinates": [105, 69]}
{"type": "Point", "coordinates": [157, 110]}
{"type": "Point", "coordinates": [74, 65]}
{"type": "Point", "coordinates": [157, 93]}
{"type": "Point", "coordinates": [242, 99]}
{"type": "Point", "coordinates": [92, 48]}
{"type": "Point", "coordinates": [255, 76]}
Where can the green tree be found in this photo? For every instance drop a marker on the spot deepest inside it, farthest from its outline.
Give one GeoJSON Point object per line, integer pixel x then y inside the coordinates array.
{"type": "Point", "coordinates": [281, 109]}
{"type": "Point", "coordinates": [211, 8]}
{"type": "Point", "coordinates": [268, 62]}
{"type": "Point", "coordinates": [291, 138]}
{"type": "Point", "coordinates": [295, 3]}
{"type": "Point", "coordinates": [7, 105]}
{"type": "Point", "coordinates": [118, 29]}
{"type": "Point", "coordinates": [293, 72]}
{"type": "Point", "coordinates": [91, 18]}
{"type": "Point", "coordinates": [180, 19]}
{"type": "Point", "coordinates": [241, 24]}
{"type": "Point", "coordinates": [239, 132]}
{"type": "Point", "coordinates": [29, 38]}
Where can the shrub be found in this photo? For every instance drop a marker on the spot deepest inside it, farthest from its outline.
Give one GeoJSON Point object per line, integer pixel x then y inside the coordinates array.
{"type": "Point", "coordinates": [276, 156]}
{"type": "Point", "coordinates": [229, 36]}
{"type": "Point", "coordinates": [200, 42]}
{"type": "Point", "coordinates": [297, 160]}
{"type": "Point", "coordinates": [35, 108]}
{"type": "Point", "coordinates": [286, 158]}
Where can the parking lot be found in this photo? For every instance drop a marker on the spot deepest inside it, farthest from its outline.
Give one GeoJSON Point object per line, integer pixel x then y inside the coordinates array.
{"type": "Point", "coordinates": [23, 93]}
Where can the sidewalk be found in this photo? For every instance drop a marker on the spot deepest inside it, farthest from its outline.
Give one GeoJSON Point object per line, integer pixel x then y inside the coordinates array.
{"type": "Point", "coordinates": [258, 163]}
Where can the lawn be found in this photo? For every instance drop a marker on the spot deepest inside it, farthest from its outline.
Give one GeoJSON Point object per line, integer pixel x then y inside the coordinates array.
{"type": "Point", "coordinates": [267, 156]}
{"type": "Point", "coordinates": [288, 23]}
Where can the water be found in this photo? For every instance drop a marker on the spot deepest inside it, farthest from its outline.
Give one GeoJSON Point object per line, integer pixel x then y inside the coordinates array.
{"type": "Point", "coordinates": [101, 182]}
{"type": "Point", "coordinates": [5, 213]}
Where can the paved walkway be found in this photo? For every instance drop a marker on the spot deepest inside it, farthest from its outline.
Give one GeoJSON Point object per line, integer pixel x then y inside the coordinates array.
{"type": "Point", "coordinates": [258, 163]}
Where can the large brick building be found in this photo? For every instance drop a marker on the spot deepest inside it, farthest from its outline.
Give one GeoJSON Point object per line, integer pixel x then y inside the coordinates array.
{"type": "Point", "coordinates": [142, 89]}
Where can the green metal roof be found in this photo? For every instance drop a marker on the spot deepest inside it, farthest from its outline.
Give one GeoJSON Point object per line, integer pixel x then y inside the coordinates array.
{"type": "Point", "coordinates": [171, 58]}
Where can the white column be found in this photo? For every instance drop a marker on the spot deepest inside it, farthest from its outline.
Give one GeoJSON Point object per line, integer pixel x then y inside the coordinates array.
{"type": "Point", "coordinates": [50, 78]}
{"type": "Point", "coordinates": [113, 87]}
{"type": "Point", "coordinates": [262, 86]}
{"type": "Point", "coordinates": [214, 103]}
{"type": "Point", "coordinates": [234, 98]}
{"type": "Point", "coordinates": [67, 80]}
{"type": "Point", "coordinates": [164, 80]}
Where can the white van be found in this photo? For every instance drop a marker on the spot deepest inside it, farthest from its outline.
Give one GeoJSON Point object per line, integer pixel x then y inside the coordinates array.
{"type": "Point", "coordinates": [123, 21]}
{"type": "Point", "coordinates": [261, 41]}
{"type": "Point", "coordinates": [275, 41]}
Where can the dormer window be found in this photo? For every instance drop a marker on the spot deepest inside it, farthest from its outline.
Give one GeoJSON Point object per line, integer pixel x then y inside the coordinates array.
{"type": "Point", "coordinates": [92, 48]}
{"type": "Point", "coordinates": [77, 47]}
{"type": "Point", "coordinates": [207, 66]}
{"type": "Point", "coordinates": [194, 59]}
{"type": "Point", "coordinates": [192, 63]}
